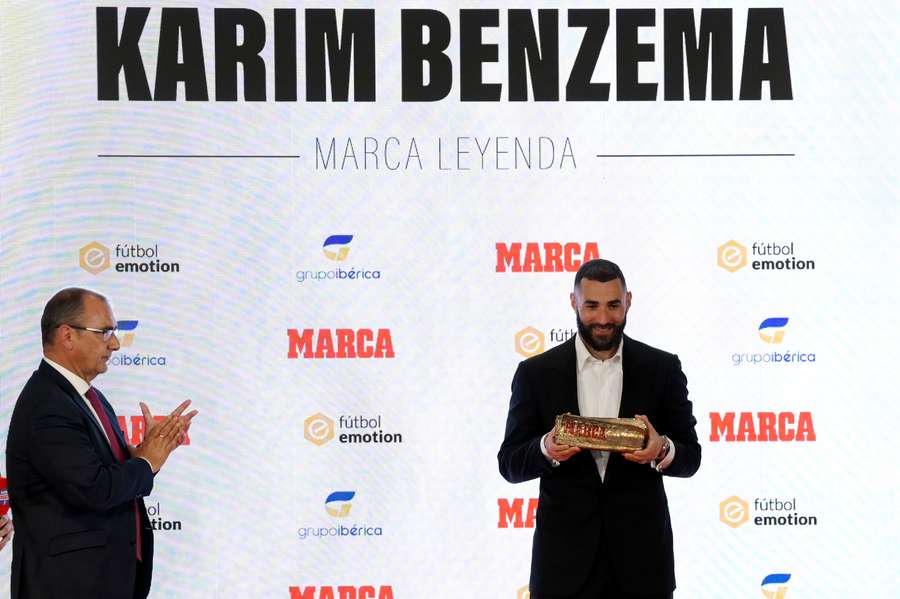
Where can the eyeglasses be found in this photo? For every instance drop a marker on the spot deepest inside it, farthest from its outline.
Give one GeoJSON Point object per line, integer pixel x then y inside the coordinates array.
{"type": "Point", "coordinates": [105, 333]}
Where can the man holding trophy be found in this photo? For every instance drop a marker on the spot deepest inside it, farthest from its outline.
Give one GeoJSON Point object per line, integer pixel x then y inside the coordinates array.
{"type": "Point", "coordinates": [600, 419]}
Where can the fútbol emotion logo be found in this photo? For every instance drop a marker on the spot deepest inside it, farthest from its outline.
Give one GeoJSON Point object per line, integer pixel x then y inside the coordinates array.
{"type": "Point", "coordinates": [762, 256]}
{"type": "Point", "coordinates": [129, 258]}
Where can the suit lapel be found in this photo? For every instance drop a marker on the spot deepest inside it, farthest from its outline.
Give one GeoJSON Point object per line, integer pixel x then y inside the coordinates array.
{"type": "Point", "coordinates": [631, 383]}
{"type": "Point", "coordinates": [75, 398]}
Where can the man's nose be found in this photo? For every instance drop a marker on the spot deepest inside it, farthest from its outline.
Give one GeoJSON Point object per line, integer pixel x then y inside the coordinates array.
{"type": "Point", "coordinates": [114, 343]}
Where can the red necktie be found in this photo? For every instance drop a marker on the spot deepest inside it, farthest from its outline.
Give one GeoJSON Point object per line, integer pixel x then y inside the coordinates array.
{"type": "Point", "coordinates": [120, 457]}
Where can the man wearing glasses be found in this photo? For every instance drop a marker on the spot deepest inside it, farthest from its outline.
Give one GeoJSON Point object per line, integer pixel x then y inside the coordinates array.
{"type": "Point", "coordinates": [76, 487]}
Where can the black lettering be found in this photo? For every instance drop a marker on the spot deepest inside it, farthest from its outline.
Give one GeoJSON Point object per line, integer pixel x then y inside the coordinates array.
{"type": "Point", "coordinates": [180, 23]}
{"type": "Point", "coordinates": [357, 36]}
{"type": "Point", "coordinates": [629, 53]}
{"type": "Point", "coordinates": [285, 55]}
{"type": "Point", "coordinates": [473, 53]}
{"type": "Point", "coordinates": [682, 41]}
{"type": "Point", "coordinates": [116, 54]}
{"type": "Point", "coordinates": [766, 24]}
{"type": "Point", "coordinates": [414, 52]}
{"type": "Point", "coordinates": [229, 54]}
{"type": "Point", "coordinates": [542, 64]}
{"type": "Point", "coordinates": [579, 86]}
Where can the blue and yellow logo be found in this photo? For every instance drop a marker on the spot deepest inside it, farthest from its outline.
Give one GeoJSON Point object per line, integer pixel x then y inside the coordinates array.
{"type": "Point", "coordinates": [774, 587]}
{"type": "Point", "coordinates": [336, 247]}
{"type": "Point", "coordinates": [771, 330]}
{"type": "Point", "coordinates": [338, 503]}
{"type": "Point", "coordinates": [126, 331]}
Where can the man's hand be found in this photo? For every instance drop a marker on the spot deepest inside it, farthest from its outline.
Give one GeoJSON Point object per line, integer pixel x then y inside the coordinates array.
{"type": "Point", "coordinates": [557, 452]}
{"type": "Point", "coordinates": [161, 438]}
{"type": "Point", "coordinates": [654, 445]}
{"type": "Point", "coordinates": [6, 531]}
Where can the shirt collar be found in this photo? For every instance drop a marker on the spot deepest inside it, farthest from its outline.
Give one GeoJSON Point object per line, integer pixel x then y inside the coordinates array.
{"type": "Point", "coordinates": [583, 357]}
{"type": "Point", "coordinates": [81, 386]}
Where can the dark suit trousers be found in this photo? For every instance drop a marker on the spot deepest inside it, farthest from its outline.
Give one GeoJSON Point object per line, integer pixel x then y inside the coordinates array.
{"type": "Point", "coordinates": [601, 584]}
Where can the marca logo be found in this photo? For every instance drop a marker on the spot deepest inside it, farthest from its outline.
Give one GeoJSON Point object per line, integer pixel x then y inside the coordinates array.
{"type": "Point", "coordinates": [771, 330]}
{"type": "Point", "coordinates": [544, 257]}
{"type": "Point", "coordinates": [515, 512]}
{"type": "Point", "coordinates": [773, 586]}
{"type": "Point", "coordinates": [734, 511]}
{"type": "Point", "coordinates": [126, 332]}
{"type": "Point", "coordinates": [340, 343]}
{"type": "Point", "coordinates": [337, 247]}
{"type": "Point", "coordinates": [132, 428]}
{"type": "Point", "coordinates": [94, 257]}
{"type": "Point", "coordinates": [523, 593]}
{"type": "Point", "coordinates": [529, 342]}
{"type": "Point", "coordinates": [761, 426]}
{"type": "Point", "coordinates": [338, 503]}
{"type": "Point", "coordinates": [342, 592]}
{"type": "Point", "coordinates": [318, 429]}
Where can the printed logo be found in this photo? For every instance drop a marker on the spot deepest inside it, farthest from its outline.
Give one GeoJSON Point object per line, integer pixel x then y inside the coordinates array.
{"type": "Point", "coordinates": [771, 330]}
{"type": "Point", "coordinates": [340, 343]}
{"type": "Point", "coordinates": [126, 340]}
{"type": "Point", "coordinates": [336, 247]}
{"type": "Point", "coordinates": [338, 503]}
{"type": "Point", "coordinates": [544, 257]}
{"type": "Point", "coordinates": [342, 592]}
{"type": "Point", "coordinates": [523, 593]}
{"type": "Point", "coordinates": [132, 428]}
{"type": "Point", "coordinates": [158, 522]}
{"type": "Point", "coordinates": [131, 258]}
{"type": "Point", "coordinates": [731, 256]}
{"type": "Point", "coordinates": [774, 586]}
{"type": "Point", "coordinates": [318, 429]}
{"type": "Point", "coordinates": [761, 426]}
{"type": "Point", "coordinates": [126, 332]}
{"type": "Point", "coordinates": [768, 511]}
{"type": "Point", "coordinates": [94, 257]}
{"type": "Point", "coordinates": [516, 512]}
{"type": "Point", "coordinates": [734, 511]}
{"type": "Point", "coordinates": [529, 342]}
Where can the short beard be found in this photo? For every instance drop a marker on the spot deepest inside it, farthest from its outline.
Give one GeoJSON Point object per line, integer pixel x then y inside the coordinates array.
{"type": "Point", "coordinates": [585, 333]}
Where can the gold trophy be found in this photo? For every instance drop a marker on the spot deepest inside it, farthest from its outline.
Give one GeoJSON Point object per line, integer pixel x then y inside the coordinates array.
{"type": "Point", "coordinates": [607, 434]}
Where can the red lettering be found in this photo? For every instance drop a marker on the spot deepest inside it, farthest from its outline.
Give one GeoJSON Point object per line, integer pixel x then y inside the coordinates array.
{"type": "Point", "coordinates": [385, 347]}
{"type": "Point", "coordinates": [386, 592]}
{"type": "Point", "coordinates": [298, 343]}
{"type": "Point", "coordinates": [785, 432]}
{"type": "Point", "coordinates": [721, 423]}
{"type": "Point", "coordinates": [306, 593]}
{"type": "Point", "coordinates": [532, 512]}
{"type": "Point", "coordinates": [553, 257]}
{"type": "Point", "coordinates": [345, 343]}
{"type": "Point", "coordinates": [573, 253]}
{"type": "Point", "coordinates": [532, 262]}
{"type": "Point", "coordinates": [364, 343]}
{"type": "Point", "coordinates": [746, 430]}
{"type": "Point", "coordinates": [805, 430]}
{"type": "Point", "coordinates": [509, 256]}
{"type": "Point", "coordinates": [347, 592]}
{"type": "Point", "coordinates": [324, 344]}
{"type": "Point", "coordinates": [591, 251]}
{"type": "Point", "coordinates": [510, 512]}
{"type": "Point", "coordinates": [767, 426]}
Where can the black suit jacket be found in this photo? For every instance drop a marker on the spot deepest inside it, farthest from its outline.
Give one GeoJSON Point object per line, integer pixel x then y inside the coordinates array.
{"type": "Point", "coordinates": [625, 517]}
{"type": "Point", "coordinates": [71, 501]}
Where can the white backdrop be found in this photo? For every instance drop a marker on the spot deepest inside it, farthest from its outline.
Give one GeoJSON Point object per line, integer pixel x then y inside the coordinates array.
{"type": "Point", "coordinates": [260, 465]}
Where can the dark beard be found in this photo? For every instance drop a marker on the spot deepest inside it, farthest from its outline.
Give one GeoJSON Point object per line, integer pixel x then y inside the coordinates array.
{"type": "Point", "coordinates": [599, 346]}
